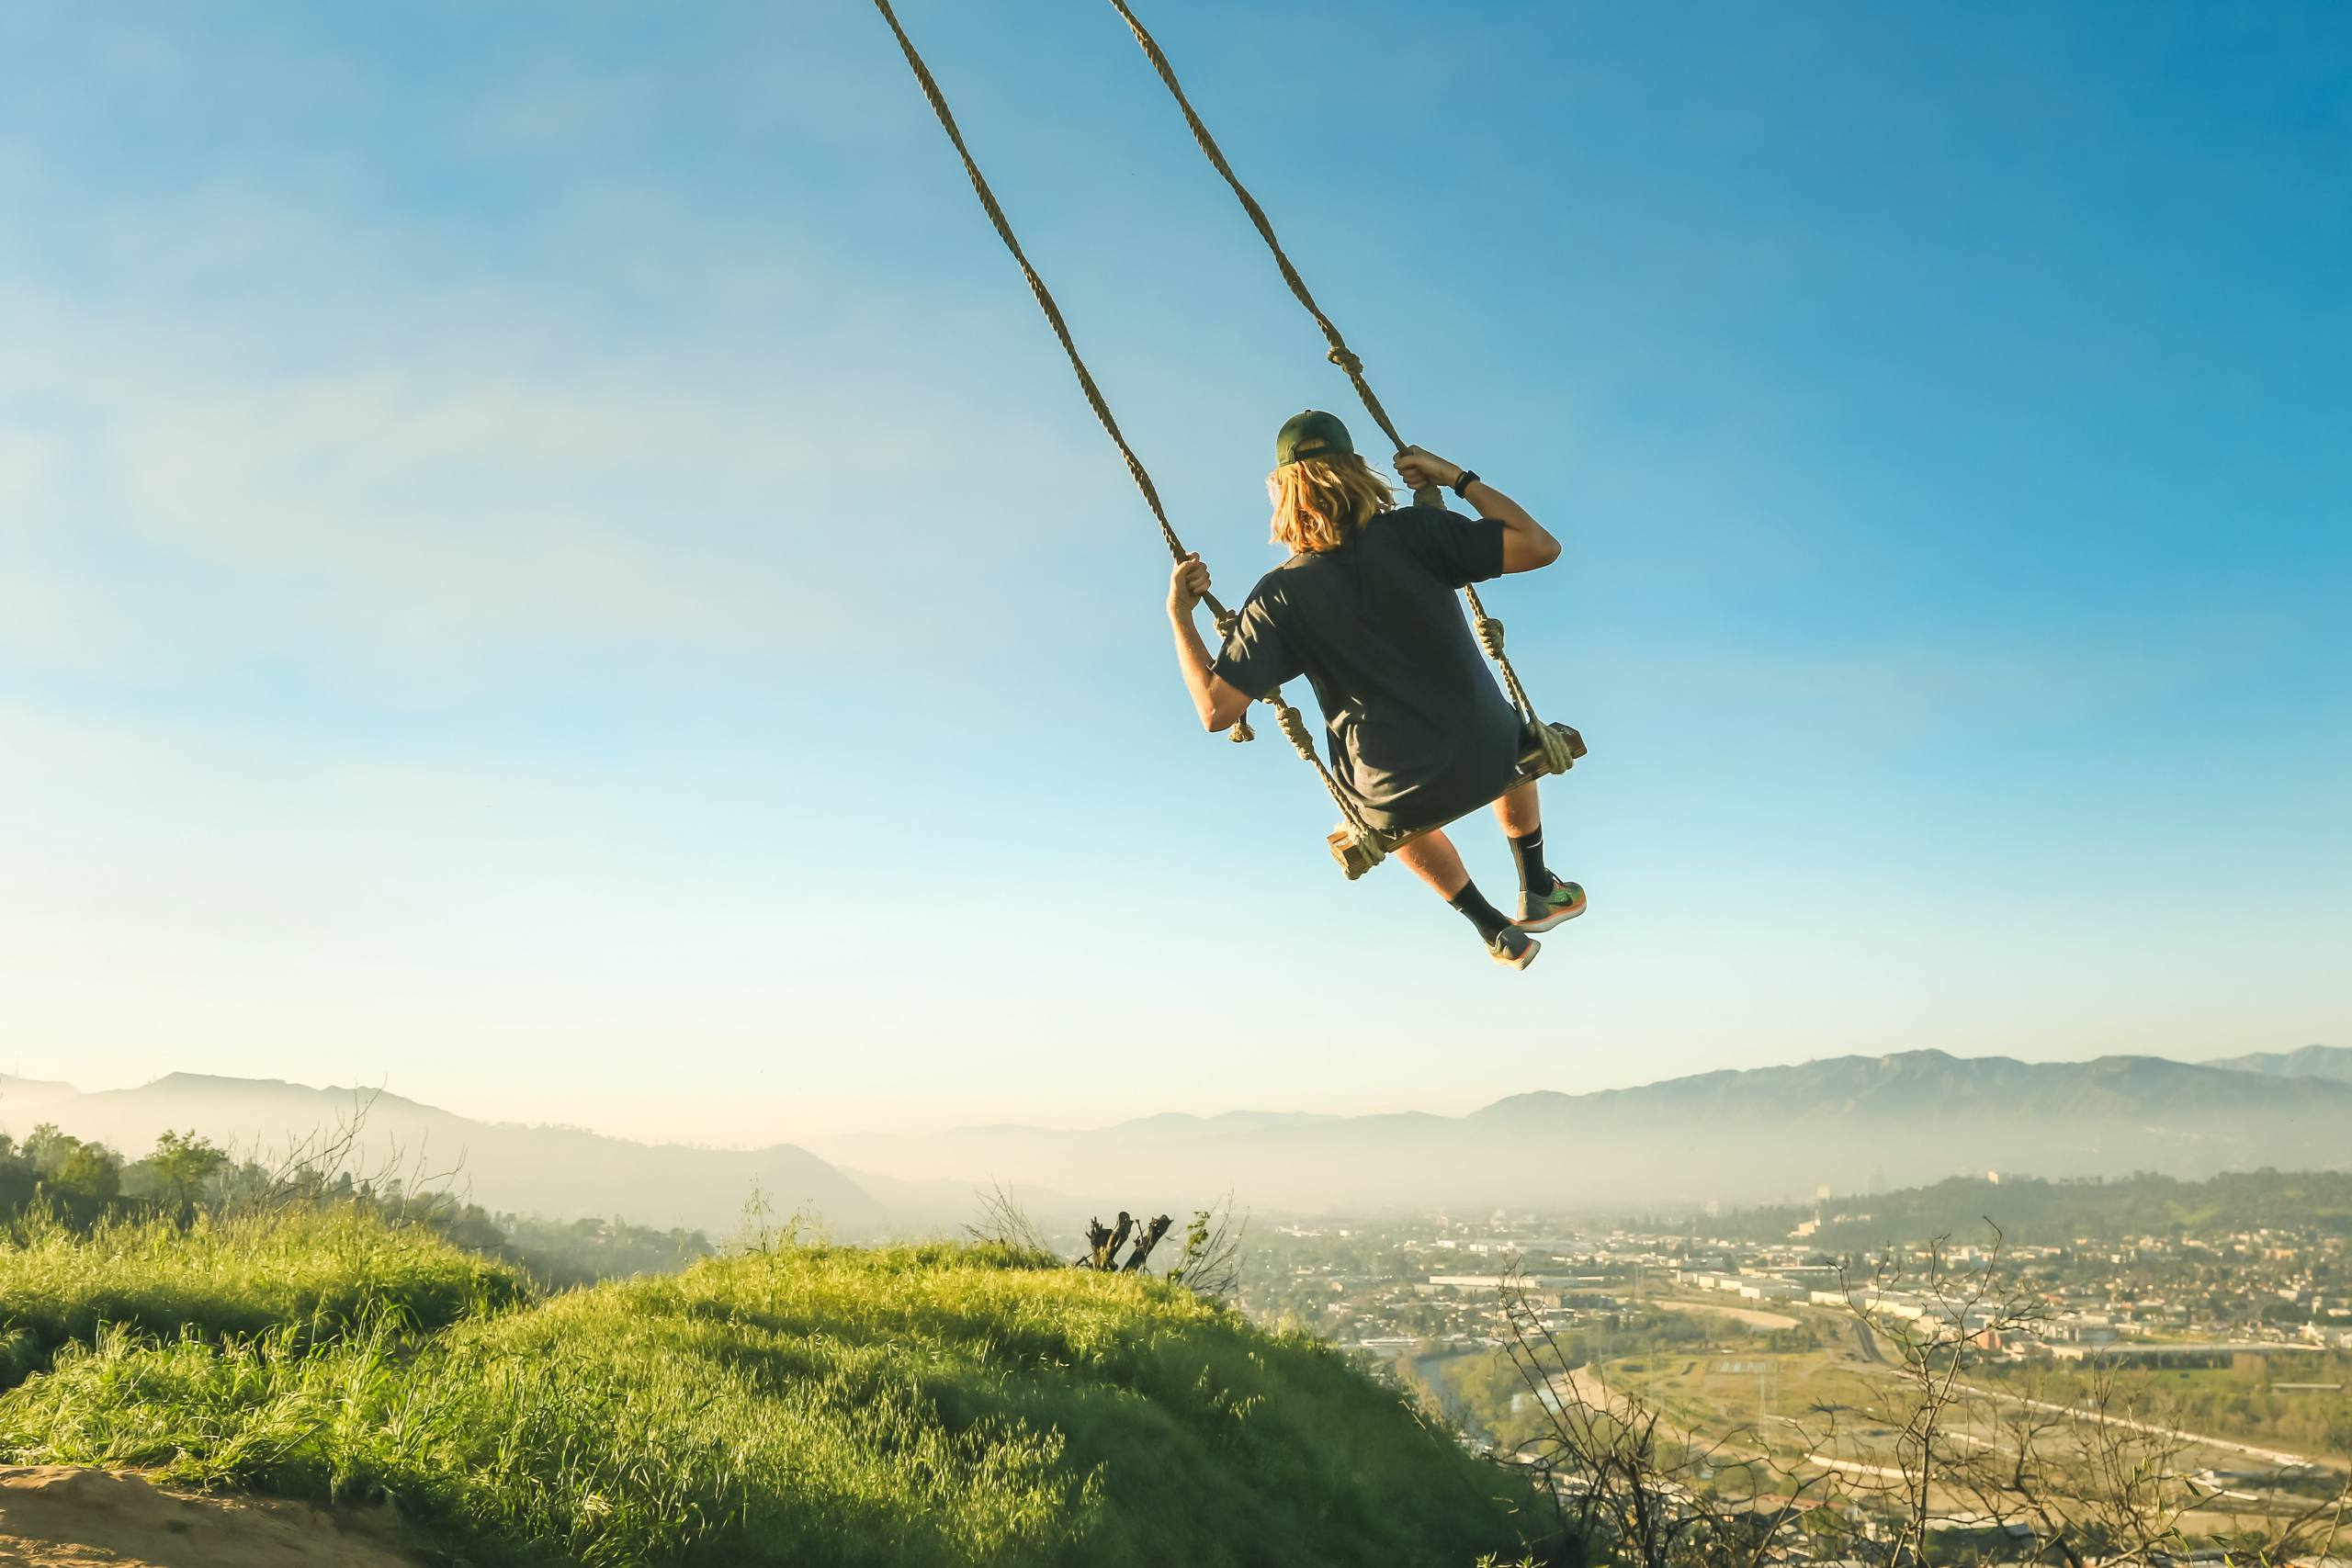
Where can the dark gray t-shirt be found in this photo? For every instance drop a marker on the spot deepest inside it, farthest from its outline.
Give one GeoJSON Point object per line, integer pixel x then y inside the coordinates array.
{"type": "Point", "coordinates": [1420, 732]}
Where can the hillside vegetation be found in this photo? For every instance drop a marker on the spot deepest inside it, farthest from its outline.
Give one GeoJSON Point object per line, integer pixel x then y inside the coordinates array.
{"type": "Point", "coordinates": [911, 1406]}
{"type": "Point", "coordinates": [2041, 1212]}
{"type": "Point", "coordinates": [306, 1273]}
{"type": "Point", "coordinates": [53, 1182]}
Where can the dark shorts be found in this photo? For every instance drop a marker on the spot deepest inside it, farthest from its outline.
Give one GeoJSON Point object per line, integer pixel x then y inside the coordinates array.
{"type": "Point", "coordinates": [1485, 769]}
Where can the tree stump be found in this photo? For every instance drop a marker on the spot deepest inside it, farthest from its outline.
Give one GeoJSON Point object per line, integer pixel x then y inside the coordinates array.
{"type": "Point", "coordinates": [1103, 1244]}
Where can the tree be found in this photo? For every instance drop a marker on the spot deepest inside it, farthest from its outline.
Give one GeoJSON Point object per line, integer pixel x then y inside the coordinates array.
{"type": "Point", "coordinates": [47, 1147]}
{"type": "Point", "coordinates": [182, 1163]}
{"type": "Point", "coordinates": [92, 1170]}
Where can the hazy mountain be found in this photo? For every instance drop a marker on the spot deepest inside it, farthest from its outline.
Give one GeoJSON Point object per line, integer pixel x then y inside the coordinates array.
{"type": "Point", "coordinates": [1763, 1134]}
{"type": "Point", "coordinates": [2332, 1062]}
{"type": "Point", "coordinates": [950, 1207]}
{"type": "Point", "coordinates": [558, 1172]}
{"type": "Point", "coordinates": [21, 1099]}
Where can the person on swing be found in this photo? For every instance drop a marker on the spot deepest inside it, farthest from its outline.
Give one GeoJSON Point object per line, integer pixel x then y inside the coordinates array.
{"type": "Point", "coordinates": [1364, 608]}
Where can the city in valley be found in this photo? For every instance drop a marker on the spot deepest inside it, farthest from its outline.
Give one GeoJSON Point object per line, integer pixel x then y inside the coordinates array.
{"type": "Point", "coordinates": [2103, 1355]}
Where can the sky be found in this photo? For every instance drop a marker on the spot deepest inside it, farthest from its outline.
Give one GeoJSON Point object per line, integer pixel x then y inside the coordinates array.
{"type": "Point", "coordinates": [549, 562]}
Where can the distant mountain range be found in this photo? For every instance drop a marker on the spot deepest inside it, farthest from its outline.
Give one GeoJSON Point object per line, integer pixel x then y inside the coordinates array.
{"type": "Point", "coordinates": [1760, 1136]}
{"type": "Point", "coordinates": [1764, 1134]}
{"type": "Point", "coordinates": [2312, 1062]}
{"type": "Point", "coordinates": [556, 1172]}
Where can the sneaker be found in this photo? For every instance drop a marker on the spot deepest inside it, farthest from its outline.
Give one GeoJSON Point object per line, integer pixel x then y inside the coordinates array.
{"type": "Point", "coordinates": [1514, 947]}
{"type": "Point", "coordinates": [1542, 911]}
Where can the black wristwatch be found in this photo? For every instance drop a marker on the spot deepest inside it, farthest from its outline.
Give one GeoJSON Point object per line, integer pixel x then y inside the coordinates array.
{"type": "Point", "coordinates": [1462, 483]}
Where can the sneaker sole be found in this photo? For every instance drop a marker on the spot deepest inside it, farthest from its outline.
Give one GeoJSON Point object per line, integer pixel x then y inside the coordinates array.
{"type": "Point", "coordinates": [1557, 917]}
{"type": "Point", "coordinates": [1522, 961]}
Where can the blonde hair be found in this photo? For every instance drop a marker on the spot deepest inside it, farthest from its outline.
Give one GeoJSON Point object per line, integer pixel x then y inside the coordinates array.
{"type": "Point", "coordinates": [1319, 502]}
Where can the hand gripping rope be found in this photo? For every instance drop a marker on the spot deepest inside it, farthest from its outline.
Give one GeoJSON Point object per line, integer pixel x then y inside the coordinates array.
{"type": "Point", "coordinates": [1557, 749]}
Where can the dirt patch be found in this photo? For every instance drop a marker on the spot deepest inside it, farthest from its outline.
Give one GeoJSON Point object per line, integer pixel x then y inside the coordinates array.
{"type": "Point", "coordinates": [61, 1517]}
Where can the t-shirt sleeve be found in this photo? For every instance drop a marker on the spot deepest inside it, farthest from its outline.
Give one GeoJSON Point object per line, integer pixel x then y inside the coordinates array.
{"type": "Point", "coordinates": [1462, 550]}
{"type": "Point", "coordinates": [1257, 658]}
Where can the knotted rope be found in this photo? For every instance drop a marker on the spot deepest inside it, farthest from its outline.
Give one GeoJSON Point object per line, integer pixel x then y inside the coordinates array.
{"type": "Point", "coordinates": [1293, 725]}
{"type": "Point", "coordinates": [1343, 356]}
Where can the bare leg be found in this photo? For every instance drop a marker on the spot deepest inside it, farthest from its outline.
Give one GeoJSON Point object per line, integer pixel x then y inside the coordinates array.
{"type": "Point", "coordinates": [1435, 861]}
{"type": "Point", "coordinates": [1520, 812]}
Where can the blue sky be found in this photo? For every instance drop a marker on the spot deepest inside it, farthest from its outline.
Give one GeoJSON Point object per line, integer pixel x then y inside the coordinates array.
{"type": "Point", "coordinates": [547, 561]}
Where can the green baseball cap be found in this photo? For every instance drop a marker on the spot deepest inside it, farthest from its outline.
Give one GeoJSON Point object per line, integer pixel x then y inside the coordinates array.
{"type": "Point", "coordinates": [1313, 434]}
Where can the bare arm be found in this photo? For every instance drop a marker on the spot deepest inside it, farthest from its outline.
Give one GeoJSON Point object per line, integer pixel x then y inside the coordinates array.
{"type": "Point", "coordinates": [1527, 544]}
{"type": "Point", "coordinates": [1219, 703]}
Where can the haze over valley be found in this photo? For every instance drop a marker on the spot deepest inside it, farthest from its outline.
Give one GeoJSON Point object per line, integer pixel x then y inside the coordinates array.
{"type": "Point", "coordinates": [1845, 1124]}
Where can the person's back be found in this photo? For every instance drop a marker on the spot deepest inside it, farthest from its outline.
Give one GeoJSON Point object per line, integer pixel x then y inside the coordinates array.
{"type": "Point", "coordinates": [1418, 729]}
{"type": "Point", "coordinates": [1364, 607]}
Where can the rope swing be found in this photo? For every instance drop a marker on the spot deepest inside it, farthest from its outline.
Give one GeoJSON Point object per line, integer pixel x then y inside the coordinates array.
{"type": "Point", "coordinates": [1358, 845]}
{"type": "Point", "coordinates": [1557, 748]}
{"type": "Point", "coordinates": [1293, 724]}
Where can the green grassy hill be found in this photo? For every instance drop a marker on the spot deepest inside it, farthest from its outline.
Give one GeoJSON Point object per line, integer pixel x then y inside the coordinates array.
{"type": "Point", "coordinates": [909, 1406]}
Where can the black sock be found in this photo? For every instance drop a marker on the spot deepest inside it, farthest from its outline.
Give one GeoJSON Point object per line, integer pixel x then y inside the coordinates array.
{"type": "Point", "coordinates": [1473, 904]}
{"type": "Point", "coordinates": [1533, 877]}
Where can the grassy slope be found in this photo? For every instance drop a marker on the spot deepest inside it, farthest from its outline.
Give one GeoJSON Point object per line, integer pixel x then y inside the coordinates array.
{"type": "Point", "coordinates": [313, 1271]}
{"type": "Point", "coordinates": [900, 1406]}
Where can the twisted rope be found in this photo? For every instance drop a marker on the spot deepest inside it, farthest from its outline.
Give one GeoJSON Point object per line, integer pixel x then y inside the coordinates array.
{"type": "Point", "coordinates": [1339, 353]}
{"type": "Point", "coordinates": [1294, 730]}
{"type": "Point", "coordinates": [1293, 725]}
{"type": "Point", "coordinates": [1094, 399]}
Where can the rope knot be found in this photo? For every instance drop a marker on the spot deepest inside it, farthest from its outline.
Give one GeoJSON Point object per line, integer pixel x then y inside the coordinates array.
{"type": "Point", "coordinates": [1345, 359]}
{"type": "Point", "coordinates": [1491, 636]}
{"type": "Point", "coordinates": [1226, 621]}
{"type": "Point", "coordinates": [1293, 727]}
{"type": "Point", "coordinates": [1240, 732]}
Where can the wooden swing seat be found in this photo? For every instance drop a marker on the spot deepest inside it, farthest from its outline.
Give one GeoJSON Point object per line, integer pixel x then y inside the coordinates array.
{"type": "Point", "coordinates": [1356, 856]}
